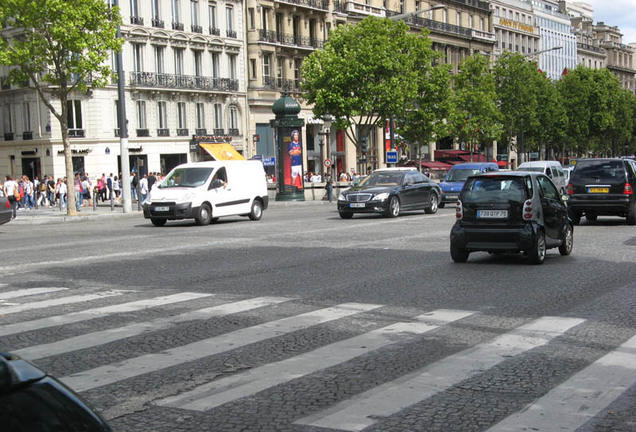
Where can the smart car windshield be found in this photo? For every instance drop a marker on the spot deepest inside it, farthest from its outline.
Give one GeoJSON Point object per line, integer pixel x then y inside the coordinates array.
{"type": "Point", "coordinates": [383, 179]}
{"type": "Point", "coordinates": [186, 177]}
{"type": "Point", "coordinates": [496, 189]}
{"type": "Point", "coordinates": [460, 175]}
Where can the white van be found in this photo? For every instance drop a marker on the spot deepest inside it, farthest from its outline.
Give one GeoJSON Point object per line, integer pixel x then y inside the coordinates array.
{"type": "Point", "coordinates": [205, 191]}
{"type": "Point", "coordinates": [552, 169]}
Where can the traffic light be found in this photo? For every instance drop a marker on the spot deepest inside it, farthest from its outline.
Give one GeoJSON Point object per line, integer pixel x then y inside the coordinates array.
{"type": "Point", "coordinates": [364, 146]}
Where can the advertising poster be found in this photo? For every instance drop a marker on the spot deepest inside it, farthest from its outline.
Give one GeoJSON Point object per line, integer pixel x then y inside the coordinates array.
{"type": "Point", "coordinates": [292, 159]}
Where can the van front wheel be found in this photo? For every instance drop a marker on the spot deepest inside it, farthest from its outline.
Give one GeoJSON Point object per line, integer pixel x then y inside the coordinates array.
{"type": "Point", "coordinates": [257, 211]}
{"type": "Point", "coordinates": [204, 215]}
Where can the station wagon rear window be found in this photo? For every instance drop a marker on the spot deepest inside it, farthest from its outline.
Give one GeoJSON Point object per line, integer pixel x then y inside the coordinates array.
{"type": "Point", "coordinates": [608, 171]}
{"type": "Point", "coordinates": [496, 189]}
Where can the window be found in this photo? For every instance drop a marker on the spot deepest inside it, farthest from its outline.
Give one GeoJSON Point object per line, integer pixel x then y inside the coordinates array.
{"type": "Point", "coordinates": [26, 117]}
{"type": "Point", "coordinates": [458, 18]}
{"type": "Point", "coordinates": [234, 121]}
{"type": "Point", "coordinates": [218, 117]}
{"type": "Point", "coordinates": [181, 115]}
{"type": "Point", "coordinates": [178, 61]}
{"type": "Point", "coordinates": [154, 5]}
{"type": "Point", "coordinates": [175, 11]}
{"type": "Point", "coordinates": [280, 70]}
{"type": "Point", "coordinates": [7, 120]}
{"type": "Point", "coordinates": [162, 115]}
{"type": "Point", "coordinates": [297, 64]}
{"type": "Point", "coordinates": [229, 18]}
{"type": "Point", "coordinates": [200, 116]}
{"type": "Point", "coordinates": [138, 61]}
{"type": "Point", "coordinates": [74, 114]}
{"type": "Point", "coordinates": [253, 68]}
{"type": "Point", "coordinates": [215, 65]}
{"type": "Point", "coordinates": [470, 21]}
{"type": "Point", "coordinates": [198, 66]}
{"type": "Point", "coordinates": [194, 12]}
{"type": "Point", "coordinates": [141, 115]}
{"type": "Point", "coordinates": [159, 50]}
{"type": "Point", "coordinates": [134, 9]}
{"type": "Point", "coordinates": [232, 65]}
{"type": "Point", "coordinates": [252, 18]}
{"type": "Point", "coordinates": [267, 58]}
{"type": "Point", "coordinates": [212, 15]}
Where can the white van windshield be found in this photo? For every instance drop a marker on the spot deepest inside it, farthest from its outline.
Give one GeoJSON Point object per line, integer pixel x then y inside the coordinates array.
{"type": "Point", "coordinates": [186, 177]}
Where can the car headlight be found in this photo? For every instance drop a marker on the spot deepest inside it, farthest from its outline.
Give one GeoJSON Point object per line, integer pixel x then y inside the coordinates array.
{"type": "Point", "coordinates": [382, 197]}
{"type": "Point", "coordinates": [341, 197]}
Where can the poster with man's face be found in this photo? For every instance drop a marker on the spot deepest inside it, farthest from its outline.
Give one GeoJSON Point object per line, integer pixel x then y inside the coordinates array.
{"type": "Point", "coordinates": [292, 158]}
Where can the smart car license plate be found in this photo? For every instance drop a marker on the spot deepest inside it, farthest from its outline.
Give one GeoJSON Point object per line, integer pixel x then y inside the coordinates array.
{"type": "Point", "coordinates": [356, 205]}
{"type": "Point", "coordinates": [598, 190]}
{"type": "Point", "coordinates": [492, 214]}
{"type": "Point", "coordinates": [162, 209]}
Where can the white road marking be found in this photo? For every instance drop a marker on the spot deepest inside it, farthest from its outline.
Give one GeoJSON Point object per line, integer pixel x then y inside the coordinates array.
{"type": "Point", "coordinates": [109, 374]}
{"type": "Point", "coordinates": [228, 389]}
{"type": "Point", "coordinates": [362, 411]}
{"type": "Point", "coordinates": [571, 404]}
{"type": "Point", "coordinates": [58, 302]}
{"type": "Point", "coordinates": [106, 336]}
{"type": "Point", "coordinates": [28, 292]}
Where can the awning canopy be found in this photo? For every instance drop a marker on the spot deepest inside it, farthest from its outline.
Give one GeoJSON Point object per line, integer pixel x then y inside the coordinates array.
{"type": "Point", "coordinates": [221, 151]}
{"type": "Point", "coordinates": [436, 166]}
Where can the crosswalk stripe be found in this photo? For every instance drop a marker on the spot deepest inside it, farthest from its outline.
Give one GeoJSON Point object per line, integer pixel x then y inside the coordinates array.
{"type": "Point", "coordinates": [109, 374]}
{"type": "Point", "coordinates": [89, 314]}
{"type": "Point", "coordinates": [106, 336]}
{"type": "Point", "coordinates": [58, 302]}
{"type": "Point", "coordinates": [355, 414]}
{"type": "Point", "coordinates": [225, 390]}
{"type": "Point", "coordinates": [571, 404]}
{"type": "Point", "coordinates": [28, 292]}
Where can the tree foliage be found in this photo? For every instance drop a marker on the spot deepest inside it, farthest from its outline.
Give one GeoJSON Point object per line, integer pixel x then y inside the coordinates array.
{"type": "Point", "coordinates": [366, 73]}
{"type": "Point", "coordinates": [60, 47]}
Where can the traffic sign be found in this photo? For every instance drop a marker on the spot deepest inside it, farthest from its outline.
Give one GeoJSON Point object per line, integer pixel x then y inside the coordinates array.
{"type": "Point", "coordinates": [391, 156]}
{"type": "Point", "coordinates": [327, 163]}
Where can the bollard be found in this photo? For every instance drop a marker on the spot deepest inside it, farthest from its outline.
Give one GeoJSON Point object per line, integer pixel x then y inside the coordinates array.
{"type": "Point", "coordinates": [138, 198]}
{"type": "Point", "coordinates": [61, 200]}
{"type": "Point", "coordinates": [112, 201]}
{"type": "Point", "coordinates": [95, 196]}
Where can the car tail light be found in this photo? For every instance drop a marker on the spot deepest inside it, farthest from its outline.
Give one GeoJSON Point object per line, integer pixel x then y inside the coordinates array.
{"type": "Point", "coordinates": [459, 211]}
{"type": "Point", "coordinates": [527, 210]}
{"type": "Point", "coordinates": [570, 189]}
{"type": "Point", "coordinates": [628, 189]}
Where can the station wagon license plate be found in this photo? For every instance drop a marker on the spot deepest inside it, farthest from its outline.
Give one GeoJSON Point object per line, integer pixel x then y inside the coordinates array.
{"type": "Point", "coordinates": [356, 205]}
{"type": "Point", "coordinates": [492, 214]}
{"type": "Point", "coordinates": [598, 190]}
{"type": "Point", "coordinates": [162, 209]}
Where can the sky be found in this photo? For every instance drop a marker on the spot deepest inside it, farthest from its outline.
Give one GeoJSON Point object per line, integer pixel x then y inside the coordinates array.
{"type": "Point", "coordinates": [619, 13]}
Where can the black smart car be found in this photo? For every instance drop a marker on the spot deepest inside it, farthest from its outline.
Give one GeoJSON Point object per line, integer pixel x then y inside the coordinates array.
{"type": "Point", "coordinates": [31, 400]}
{"type": "Point", "coordinates": [389, 191]}
{"type": "Point", "coordinates": [603, 187]}
{"type": "Point", "coordinates": [510, 212]}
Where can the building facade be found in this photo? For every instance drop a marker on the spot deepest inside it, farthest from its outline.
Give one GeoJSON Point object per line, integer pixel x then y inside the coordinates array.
{"type": "Point", "coordinates": [513, 22]}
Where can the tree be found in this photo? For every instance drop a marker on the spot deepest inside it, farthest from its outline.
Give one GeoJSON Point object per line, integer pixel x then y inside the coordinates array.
{"type": "Point", "coordinates": [60, 47]}
{"type": "Point", "coordinates": [366, 73]}
{"type": "Point", "coordinates": [549, 129]}
{"type": "Point", "coordinates": [476, 117]}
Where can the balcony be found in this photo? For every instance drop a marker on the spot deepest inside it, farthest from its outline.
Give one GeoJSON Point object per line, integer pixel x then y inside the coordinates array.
{"type": "Point", "coordinates": [234, 132]}
{"type": "Point", "coordinates": [218, 131]}
{"type": "Point", "coordinates": [186, 82]}
{"type": "Point", "coordinates": [196, 29]}
{"type": "Point", "coordinates": [76, 133]}
{"type": "Point", "coordinates": [280, 84]}
{"type": "Point", "coordinates": [479, 4]}
{"type": "Point", "coordinates": [489, 37]}
{"type": "Point", "coordinates": [215, 31]}
{"type": "Point", "coordinates": [231, 33]}
{"type": "Point", "coordinates": [27, 135]}
{"type": "Point", "coordinates": [364, 9]}
{"type": "Point", "coordinates": [200, 131]}
{"type": "Point", "coordinates": [9, 136]}
{"type": "Point", "coordinates": [143, 132]}
{"type": "Point", "coordinates": [177, 26]}
{"type": "Point", "coordinates": [290, 39]}
{"type": "Point", "coordinates": [136, 20]}
{"type": "Point", "coordinates": [156, 22]}
{"type": "Point", "coordinates": [439, 26]}
{"type": "Point", "coordinates": [182, 132]}
{"type": "Point", "coordinates": [315, 4]}
{"type": "Point", "coordinates": [163, 132]}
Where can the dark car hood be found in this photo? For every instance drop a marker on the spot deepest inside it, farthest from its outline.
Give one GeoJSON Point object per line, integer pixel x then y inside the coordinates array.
{"type": "Point", "coordinates": [369, 189]}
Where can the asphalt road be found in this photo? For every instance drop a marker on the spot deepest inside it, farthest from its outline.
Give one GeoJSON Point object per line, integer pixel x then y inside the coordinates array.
{"type": "Point", "coordinates": [304, 321]}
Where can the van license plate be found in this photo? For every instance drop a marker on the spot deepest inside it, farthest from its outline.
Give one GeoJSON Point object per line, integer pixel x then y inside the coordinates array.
{"type": "Point", "coordinates": [356, 205]}
{"type": "Point", "coordinates": [162, 209]}
{"type": "Point", "coordinates": [492, 214]}
{"type": "Point", "coordinates": [598, 190]}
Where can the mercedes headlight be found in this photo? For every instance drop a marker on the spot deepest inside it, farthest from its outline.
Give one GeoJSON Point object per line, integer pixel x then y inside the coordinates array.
{"type": "Point", "coordinates": [341, 197]}
{"type": "Point", "coordinates": [382, 197]}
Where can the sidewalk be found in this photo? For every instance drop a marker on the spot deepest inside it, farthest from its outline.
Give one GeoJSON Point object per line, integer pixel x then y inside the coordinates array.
{"type": "Point", "coordinates": [43, 215]}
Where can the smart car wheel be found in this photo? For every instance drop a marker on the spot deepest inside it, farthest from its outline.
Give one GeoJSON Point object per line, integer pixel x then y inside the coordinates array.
{"type": "Point", "coordinates": [537, 253]}
{"type": "Point", "coordinates": [458, 254]}
{"type": "Point", "coordinates": [204, 215]}
{"type": "Point", "coordinates": [394, 207]}
{"type": "Point", "coordinates": [433, 204]}
{"type": "Point", "coordinates": [158, 221]}
{"type": "Point", "coordinates": [257, 211]}
{"type": "Point", "coordinates": [345, 215]}
{"type": "Point", "coordinates": [568, 241]}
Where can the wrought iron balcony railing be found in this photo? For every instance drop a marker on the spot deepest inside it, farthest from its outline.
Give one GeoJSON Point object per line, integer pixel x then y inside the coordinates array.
{"type": "Point", "coordinates": [163, 132]}
{"type": "Point", "coordinates": [231, 33]}
{"type": "Point", "coordinates": [156, 22]}
{"type": "Point", "coordinates": [316, 4]}
{"type": "Point", "coordinates": [215, 31]}
{"type": "Point", "coordinates": [182, 132]}
{"type": "Point", "coordinates": [196, 29]}
{"type": "Point", "coordinates": [151, 79]}
{"type": "Point", "coordinates": [289, 39]}
{"type": "Point", "coordinates": [201, 131]}
{"type": "Point", "coordinates": [177, 26]}
{"type": "Point", "coordinates": [143, 132]}
{"type": "Point", "coordinates": [137, 20]}
{"type": "Point", "coordinates": [219, 132]}
{"type": "Point", "coordinates": [76, 133]}
{"type": "Point", "coordinates": [281, 84]}
{"type": "Point", "coordinates": [27, 135]}
{"type": "Point", "coordinates": [234, 132]}
{"type": "Point", "coordinates": [8, 136]}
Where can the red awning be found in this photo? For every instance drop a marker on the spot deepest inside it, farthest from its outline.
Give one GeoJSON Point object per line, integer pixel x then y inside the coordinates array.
{"type": "Point", "coordinates": [436, 166]}
{"type": "Point", "coordinates": [476, 157]}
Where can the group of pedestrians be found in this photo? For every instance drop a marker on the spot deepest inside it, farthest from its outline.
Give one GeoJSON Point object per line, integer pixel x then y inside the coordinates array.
{"type": "Point", "coordinates": [24, 194]}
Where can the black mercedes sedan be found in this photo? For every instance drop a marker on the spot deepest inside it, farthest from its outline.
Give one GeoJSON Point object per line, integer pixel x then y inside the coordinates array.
{"type": "Point", "coordinates": [390, 191]}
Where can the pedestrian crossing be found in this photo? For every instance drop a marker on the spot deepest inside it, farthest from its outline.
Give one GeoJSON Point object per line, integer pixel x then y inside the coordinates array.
{"type": "Point", "coordinates": [335, 338]}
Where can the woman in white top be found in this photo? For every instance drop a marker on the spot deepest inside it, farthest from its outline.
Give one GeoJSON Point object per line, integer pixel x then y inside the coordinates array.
{"type": "Point", "coordinates": [9, 188]}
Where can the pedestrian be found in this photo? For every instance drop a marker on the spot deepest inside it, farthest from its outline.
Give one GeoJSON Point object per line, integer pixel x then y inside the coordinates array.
{"type": "Point", "coordinates": [9, 188]}
{"type": "Point", "coordinates": [109, 185]}
{"type": "Point", "coordinates": [329, 186]}
{"type": "Point", "coordinates": [152, 179]}
{"type": "Point", "coordinates": [62, 191]}
{"type": "Point", "coordinates": [27, 187]}
{"type": "Point", "coordinates": [79, 193]}
{"type": "Point", "coordinates": [134, 183]}
{"type": "Point", "coordinates": [51, 185]}
{"type": "Point", "coordinates": [86, 190]}
{"type": "Point", "coordinates": [116, 188]}
{"type": "Point", "coordinates": [143, 189]}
